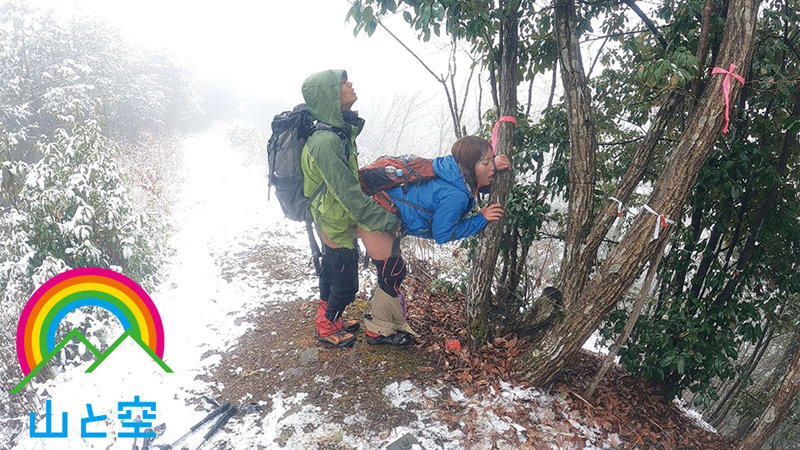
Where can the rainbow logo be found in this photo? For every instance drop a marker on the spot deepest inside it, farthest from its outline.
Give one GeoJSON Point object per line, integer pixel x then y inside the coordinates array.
{"type": "Point", "coordinates": [90, 286]}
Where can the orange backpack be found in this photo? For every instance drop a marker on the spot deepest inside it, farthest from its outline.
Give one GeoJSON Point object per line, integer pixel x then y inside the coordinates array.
{"type": "Point", "coordinates": [389, 172]}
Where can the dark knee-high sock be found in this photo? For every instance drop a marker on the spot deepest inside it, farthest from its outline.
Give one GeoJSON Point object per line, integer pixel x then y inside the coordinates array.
{"type": "Point", "coordinates": [391, 272]}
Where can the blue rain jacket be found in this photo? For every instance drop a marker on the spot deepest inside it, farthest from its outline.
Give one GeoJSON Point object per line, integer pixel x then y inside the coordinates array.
{"type": "Point", "coordinates": [450, 200]}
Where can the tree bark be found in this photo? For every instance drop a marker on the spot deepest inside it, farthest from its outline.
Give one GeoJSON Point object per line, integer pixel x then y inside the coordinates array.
{"type": "Point", "coordinates": [702, 51]}
{"type": "Point", "coordinates": [479, 291]}
{"type": "Point", "coordinates": [583, 147]}
{"type": "Point", "coordinates": [774, 380]}
{"type": "Point", "coordinates": [583, 263]}
{"type": "Point", "coordinates": [768, 423]}
{"type": "Point", "coordinates": [565, 335]}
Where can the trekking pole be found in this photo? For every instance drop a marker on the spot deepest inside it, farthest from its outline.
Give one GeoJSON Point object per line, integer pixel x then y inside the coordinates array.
{"type": "Point", "coordinates": [316, 254]}
{"type": "Point", "coordinates": [158, 430]}
{"type": "Point", "coordinates": [221, 409]}
{"type": "Point", "coordinates": [219, 424]}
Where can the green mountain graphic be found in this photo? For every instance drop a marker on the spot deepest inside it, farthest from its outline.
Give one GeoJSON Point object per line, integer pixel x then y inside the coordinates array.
{"type": "Point", "coordinates": [99, 357]}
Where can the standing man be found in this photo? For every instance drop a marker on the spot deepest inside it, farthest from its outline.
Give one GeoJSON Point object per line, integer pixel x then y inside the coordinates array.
{"type": "Point", "coordinates": [330, 172]}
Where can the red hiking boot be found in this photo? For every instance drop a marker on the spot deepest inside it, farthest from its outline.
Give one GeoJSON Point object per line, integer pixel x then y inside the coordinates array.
{"type": "Point", "coordinates": [332, 333]}
{"type": "Point", "coordinates": [351, 326]}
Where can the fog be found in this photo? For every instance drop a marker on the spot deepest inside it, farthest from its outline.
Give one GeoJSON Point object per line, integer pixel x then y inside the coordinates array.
{"type": "Point", "coordinates": [264, 50]}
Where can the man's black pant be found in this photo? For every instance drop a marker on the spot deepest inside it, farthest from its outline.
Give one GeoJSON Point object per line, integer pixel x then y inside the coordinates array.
{"type": "Point", "coordinates": [338, 279]}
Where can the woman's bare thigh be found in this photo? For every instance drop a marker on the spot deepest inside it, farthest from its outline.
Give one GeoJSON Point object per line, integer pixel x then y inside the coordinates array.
{"type": "Point", "coordinates": [379, 245]}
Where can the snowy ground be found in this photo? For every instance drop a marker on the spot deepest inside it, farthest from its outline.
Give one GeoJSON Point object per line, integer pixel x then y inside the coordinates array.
{"type": "Point", "coordinates": [222, 208]}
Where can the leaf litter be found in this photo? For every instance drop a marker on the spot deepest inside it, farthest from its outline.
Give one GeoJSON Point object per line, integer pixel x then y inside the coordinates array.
{"type": "Point", "coordinates": [442, 396]}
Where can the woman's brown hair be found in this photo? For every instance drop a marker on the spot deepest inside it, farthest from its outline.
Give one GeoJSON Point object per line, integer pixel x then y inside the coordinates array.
{"type": "Point", "coordinates": [468, 151]}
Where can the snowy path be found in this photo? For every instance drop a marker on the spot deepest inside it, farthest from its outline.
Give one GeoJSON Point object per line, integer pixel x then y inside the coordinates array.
{"type": "Point", "coordinates": [221, 208]}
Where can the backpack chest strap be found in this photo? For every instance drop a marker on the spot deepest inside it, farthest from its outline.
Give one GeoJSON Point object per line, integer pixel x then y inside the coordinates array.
{"type": "Point", "coordinates": [427, 211]}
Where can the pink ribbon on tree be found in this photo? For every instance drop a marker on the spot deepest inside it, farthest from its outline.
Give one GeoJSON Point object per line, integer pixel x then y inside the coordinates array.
{"type": "Point", "coordinates": [726, 88]}
{"type": "Point", "coordinates": [497, 127]}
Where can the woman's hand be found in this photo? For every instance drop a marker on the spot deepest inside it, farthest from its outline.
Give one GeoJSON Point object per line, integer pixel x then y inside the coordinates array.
{"type": "Point", "coordinates": [501, 162]}
{"type": "Point", "coordinates": [492, 212]}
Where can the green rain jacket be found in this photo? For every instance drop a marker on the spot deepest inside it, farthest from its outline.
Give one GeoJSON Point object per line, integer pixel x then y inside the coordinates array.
{"type": "Point", "coordinates": [341, 206]}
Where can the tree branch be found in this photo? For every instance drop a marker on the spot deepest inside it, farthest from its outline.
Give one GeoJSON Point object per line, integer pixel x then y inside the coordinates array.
{"type": "Point", "coordinates": [530, 89]}
{"type": "Point", "coordinates": [622, 33]}
{"type": "Point", "coordinates": [466, 90]}
{"type": "Point", "coordinates": [702, 50]}
{"type": "Point", "coordinates": [649, 23]}
{"type": "Point", "coordinates": [633, 174]}
{"type": "Point", "coordinates": [437, 77]}
{"type": "Point", "coordinates": [493, 78]}
{"type": "Point", "coordinates": [629, 141]}
{"type": "Point", "coordinates": [792, 47]}
{"type": "Point", "coordinates": [553, 84]}
{"type": "Point", "coordinates": [599, 52]}
{"type": "Point", "coordinates": [452, 100]}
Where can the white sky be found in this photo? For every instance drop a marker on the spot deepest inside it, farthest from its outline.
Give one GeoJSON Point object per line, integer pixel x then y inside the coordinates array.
{"type": "Point", "coordinates": [267, 48]}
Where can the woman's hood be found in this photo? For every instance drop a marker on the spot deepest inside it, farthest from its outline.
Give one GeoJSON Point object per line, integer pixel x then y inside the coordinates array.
{"type": "Point", "coordinates": [447, 169]}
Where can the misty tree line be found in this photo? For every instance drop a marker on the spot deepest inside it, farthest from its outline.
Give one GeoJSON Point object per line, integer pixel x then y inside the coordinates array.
{"type": "Point", "coordinates": [89, 132]}
{"type": "Point", "coordinates": [640, 119]}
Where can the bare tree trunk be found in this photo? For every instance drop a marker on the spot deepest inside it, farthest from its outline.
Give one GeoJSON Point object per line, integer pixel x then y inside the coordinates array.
{"type": "Point", "coordinates": [553, 85]}
{"type": "Point", "coordinates": [702, 51]}
{"type": "Point", "coordinates": [724, 405]}
{"type": "Point", "coordinates": [634, 317]}
{"type": "Point", "coordinates": [581, 316]}
{"type": "Point", "coordinates": [583, 147]}
{"type": "Point", "coordinates": [604, 219]}
{"type": "Point", "coordinates": [779, 371]}
{"type": "Point", "coordinates": [776, 410]}
{"type": "Point", "coordinates": [483, 266]}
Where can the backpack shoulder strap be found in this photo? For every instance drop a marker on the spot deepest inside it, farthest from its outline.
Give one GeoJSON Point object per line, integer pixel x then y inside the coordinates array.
{"type": "Point", "coordinates": [419, 208]}
{"type": "Point", "coordinates": [338, 132]}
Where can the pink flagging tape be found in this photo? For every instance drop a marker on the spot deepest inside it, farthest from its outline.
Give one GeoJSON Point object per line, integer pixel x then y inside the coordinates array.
{"type": "Point", "coordinates": [497, 127]}
{"type": "Point", "coordinates": [726, 89]}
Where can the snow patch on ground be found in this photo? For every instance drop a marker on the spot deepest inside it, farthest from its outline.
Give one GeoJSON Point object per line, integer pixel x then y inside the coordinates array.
{"type": "Point", "coordinates": [696, 417]}
{"type": "Point", "coordinates": [492, 412]}
{"type": "Point", "coordinates": [594, 344]}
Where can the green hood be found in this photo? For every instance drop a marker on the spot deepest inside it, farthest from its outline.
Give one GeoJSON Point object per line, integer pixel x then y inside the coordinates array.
{"type": "Point", "coordinates": [321, 93]}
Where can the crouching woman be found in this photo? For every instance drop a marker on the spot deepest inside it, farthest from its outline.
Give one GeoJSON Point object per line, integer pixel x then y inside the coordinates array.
{"type": "Point", "coordinates": [439, 210]}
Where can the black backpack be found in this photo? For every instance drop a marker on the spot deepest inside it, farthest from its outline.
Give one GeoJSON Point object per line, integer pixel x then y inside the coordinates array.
{"type": "Point", "coordinates": [290, 130]}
